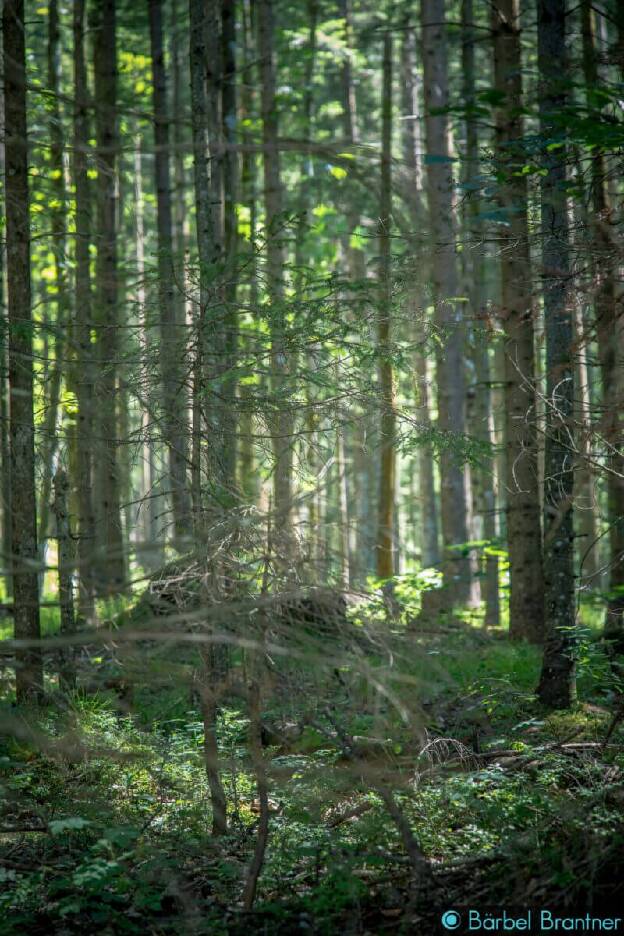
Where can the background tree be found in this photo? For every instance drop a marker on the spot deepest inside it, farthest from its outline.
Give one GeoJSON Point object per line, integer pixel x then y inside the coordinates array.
{"type": "Point", "coordinates": [557, 686]}
{"type": "Point", "coordinates": [524, 536]}
{"type": "Point", "coordinates": [24, 558]}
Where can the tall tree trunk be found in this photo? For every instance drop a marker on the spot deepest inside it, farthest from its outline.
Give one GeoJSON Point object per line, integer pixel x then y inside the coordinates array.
{"type": "Point", "coordinates": [586, 500]}
{"type": "Point", "coordinates": [387, 425]}
{"type": "Point", "coordinates": [5, 457]}
{"type": "Point", "coordinates": [281, 418]}
{"type": "Point", "coordinates": [229, 136]}
{"type": "Point", "coordinates": [171, 328]}
{"type": "Point", "coordinates": [610, 334]}
{"type": "Point", "coordinates": [220, 408]}
{"type": "Point", "coordinates": [83, 321]}
{"type": "Point", "coordinates": [412, 150]}
{"type": "Point", "coordinates": [448, 316]}
{"type": "Point", "coordinates": [349, 109]}
{"type": "Point", "coordinates": [557, 687]}
{"type": "Point", "coordinates": [248, 478]}
{"type": "Point", "coordinates": [209, 353]}
{"type": "Point", "coordinates": [204, 227]}
{"type": "Point", "coordinates": [474, 272]}
{"type": "Point", "coordinates": [58, 207]}
{"type": "Point", "coordinates": [526, 603]}
{"type": "Point", "coordinates": [151, 547]}
{"type": "Point", "coordinates": [111, 560]}
{"type": "Point", "coordinates": [29, 669]}
{"type": "Point", "coordinates": [585, 493]}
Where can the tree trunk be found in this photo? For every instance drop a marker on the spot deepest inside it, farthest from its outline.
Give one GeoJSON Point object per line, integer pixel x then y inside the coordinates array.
{"type": "Point", "coordinates": [387, 426]}
{"type": "Point", "coordinates": [67, 669]}
{"type": "Point", "coordinates": [349, 108]}
{"type": "Point", "coordinates": [610, 334]}
{"type": "Point", "coordinates": [5, 457]}
{"type": "Point", "coordinates": [29, 669]}
{"type": "Point", "coordinates": [474, 271]}
{"type": "Point", "coordinates": [557, 687]}
{"type": "Point", "coordinates": [448, 316]}
{"type": "Point", "coordinates": [84, 321]}
{"type": "Point", "coordinates": [171, 328]}
{"type": "Point", "coordinates": [281, 418]}
{"type": "Point", "coordinates": [526, 603]}
{"type": "Point", "coordinates": [111, 560]}
{"type": "Point", "coordinates": [412, 157]}
{"type": "Point", "coordinates": [203, 223]}
{"type": "Point", "coordinates": [209, 351]}
{"type": "Point", "coordinates": [248, 477]}
{"type": "Point", "coordinates": [229, 135]}
{"type": "Point", "coordinates": [60, 295]}
{"type": "Point", "coordinates": [151, 548]}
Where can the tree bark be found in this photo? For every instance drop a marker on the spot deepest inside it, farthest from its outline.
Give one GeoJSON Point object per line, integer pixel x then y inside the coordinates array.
{"type": "Point", "coordinates": [60, 295]}
{"type": "Point", "coordinates": [5, 458]}
{"type": "Point", "coordinates": [526, 602]}
{"type": "Point", "coordinates": [557, 686]}
{"type": "Point", "coordinates": [229, 135]}
{"type": "Point", "coordinates": [67, 669]}
{"type": "Point", "coordinates": [482, 475]}
{"type": "Point", "coordinates": [25, 565]}
{"type": "Point", "coordinates": [111, 559]}
{"type": "Point", "coordinates": [83, 321]}
{"type": "Point", "coordinates": [209, 359]}
{"type": "Point", "coordinates": [151, 548]}
{"type": "Point", "coordinates": [412, 157]}
{"type": "Point", "coordinates": [282, 423]}
{"type": "Point", "coordinates": [171, 328]}
{"type": "Point", "coordinates": [609, 318]}
{"type": "Point", "coordinates": [387, 402]}
{"type": "Point", "coordinates": [448, 316]}
{"type": "Point", "coordinates": [349, 107]}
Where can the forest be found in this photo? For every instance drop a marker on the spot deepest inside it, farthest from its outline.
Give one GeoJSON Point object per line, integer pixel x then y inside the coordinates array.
{"type": "Point", "coordinates": [312, 466]}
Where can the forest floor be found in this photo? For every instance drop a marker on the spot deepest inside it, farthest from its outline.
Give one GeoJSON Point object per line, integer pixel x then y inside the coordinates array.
{"type": "Point", "coordinates": [105, 824]}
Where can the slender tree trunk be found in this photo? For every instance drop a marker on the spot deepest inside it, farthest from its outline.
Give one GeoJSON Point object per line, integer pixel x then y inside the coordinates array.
{"type": "Point", "coordinates": [66, 558]}
{"type": "Point", "coordinates": [220, 374]}
{"type": "Point", "coordinates": [5, 457]}
{"type": "Point", "coordinates": [111, 560]}
{"type": "Point", "coordinates": [171, 328]}
{"type": "Point", "coordinates": [429, 530]}
{"type": "Point", "coordinates": [282, 427]}
{"type": "Point", "coordinates": [61, 296]}
{"type": "Point", "coordinates": [474, 271]}
{"type": "Point", "coordinates": [349, 109]}
{"type": "Point", "coordinates": [609, 320]}
{"type": "Point", "coordinates": [585, 493]}
{"type": "Point", "coordinates": [586, 500]}
{"type": "Point", "coordinates": [412, 149]}
{"type": "Point", "coordinates": [448, 316]}
{"type": "Point", "coordinates": [229, 135]}
{"type": "Point", "coordinates": [247, 476]}
{"type": "Point", "coordinates": [83, 321]}
{"type": "Point", "coordinates": [29, 669]}
{"type": "Point", "coordinates": [557, 687]}
{"type": "Point", "coordinates": [526, 603]}
{"type": "Point", "coordinates": [387, 427]}
{"type": "Point", "coordinates": [151, 548]}
{"type": "Point", "coordinates": [209, 356]}
{"type": "Point", "coordinates": [203, 222]}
